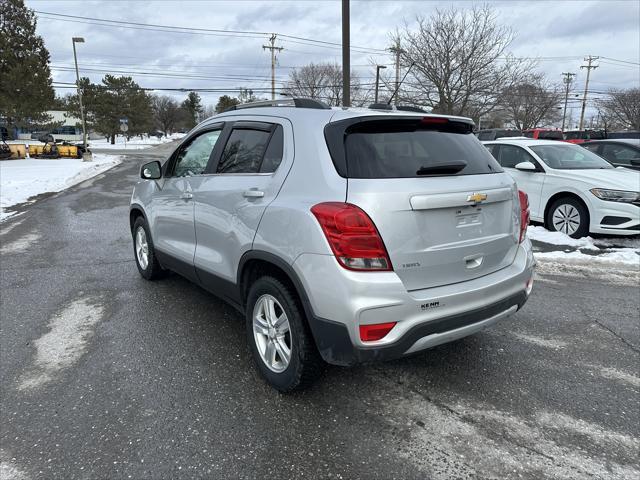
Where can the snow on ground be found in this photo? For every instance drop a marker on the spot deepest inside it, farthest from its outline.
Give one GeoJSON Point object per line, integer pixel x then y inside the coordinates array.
{"type": "Point", "coordinates": [22, 179]}
{"type": "Point", "coordinates": [541, 234]}
{"type": "Point", "coordinates": [135, 143]}
{"type": "Point", "coordinates": [617, 258]}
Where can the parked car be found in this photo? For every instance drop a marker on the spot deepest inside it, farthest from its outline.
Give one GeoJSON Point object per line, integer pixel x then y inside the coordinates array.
{"type": "Point", "coordinates": [580, 136]}
{"type": "Point", "coordinates": [495, 133]}
{"type": "Point", "coordinates": [571, 189]}
{"type": "Point", "coordinates": [624, 134]}
{"type": "Point", "coordinates": [156, 133]}
{"type": "Point", "coordinates": [623, 152]}
{"type": "Point", "coordinates": [44, 137]}
{"type": "Point", "coordinates": [543, 134]}
{"type": "Point", "coordinates": [426, 245]}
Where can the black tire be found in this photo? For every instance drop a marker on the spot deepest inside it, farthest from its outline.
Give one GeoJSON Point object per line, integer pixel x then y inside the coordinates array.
{"type": "Point", "coordinates": [583, 224]}
{"type": "Point", "coordinates": [153, 270]}
{"type": "Point", "coordinates": [305, 363]}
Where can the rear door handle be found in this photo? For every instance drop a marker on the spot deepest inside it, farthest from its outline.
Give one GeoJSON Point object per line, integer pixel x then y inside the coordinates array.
{"type": "Point", "coordinates": [186, 195]}
{"type": "Point", "coordinates": [253, 194]}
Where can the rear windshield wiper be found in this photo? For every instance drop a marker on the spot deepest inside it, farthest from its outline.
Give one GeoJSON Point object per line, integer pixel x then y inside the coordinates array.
{"type": "Point", "coordinates": [443, 168]}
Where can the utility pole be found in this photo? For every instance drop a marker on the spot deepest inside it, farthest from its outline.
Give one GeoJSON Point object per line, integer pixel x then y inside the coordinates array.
{"type": "Point", "coordinates": [273, 48]}
{"type": "Point", "coordinates": [589, 67]}
{"type": "Point", "coordinates": [568, 79]}
{"type": "Point", "coordinates": [397, 50]}
{"type": "Point", "coordinates": [346, 58]}
{"type": "Point", "coordinates": [86, 157]}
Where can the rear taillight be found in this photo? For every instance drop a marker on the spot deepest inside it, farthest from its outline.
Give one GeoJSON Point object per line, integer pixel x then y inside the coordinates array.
{"type": "Point", "coordinates": [352, 236]}
{"type": "Point", "coordinates": [371, 333]}
{"type": "Point", "coordinates": [524, 213]}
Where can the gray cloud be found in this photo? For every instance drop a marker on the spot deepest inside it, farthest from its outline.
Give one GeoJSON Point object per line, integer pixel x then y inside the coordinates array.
{"type": "Point", "coordinates": [549, 30]}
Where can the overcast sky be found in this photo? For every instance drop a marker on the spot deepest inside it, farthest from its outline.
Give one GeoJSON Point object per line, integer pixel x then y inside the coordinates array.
{"type": "Point", "coordinates": [559, 33]}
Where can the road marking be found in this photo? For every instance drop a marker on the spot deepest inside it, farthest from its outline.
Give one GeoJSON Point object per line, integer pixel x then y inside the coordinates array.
{"type": "Point", "coordinates": [68, 338]}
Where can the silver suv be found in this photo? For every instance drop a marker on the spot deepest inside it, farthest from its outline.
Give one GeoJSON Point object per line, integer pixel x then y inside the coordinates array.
{"type": "Point", "coordinates": [343, 235]}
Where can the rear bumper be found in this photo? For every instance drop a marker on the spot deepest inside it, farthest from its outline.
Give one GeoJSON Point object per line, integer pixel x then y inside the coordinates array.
{"type": "Point", "coordinates": [336, 347]}
{"type": "Point", "coordinates": [342, 300]}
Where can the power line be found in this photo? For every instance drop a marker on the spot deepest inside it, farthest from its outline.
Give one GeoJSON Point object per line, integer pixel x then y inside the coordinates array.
{"type": "Point", "coordinates": [195, 30]}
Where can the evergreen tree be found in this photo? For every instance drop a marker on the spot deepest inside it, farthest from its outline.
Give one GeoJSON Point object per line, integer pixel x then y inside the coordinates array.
{"type": "Point", "coordinates": [26, 92]}
{"type": "Point", "coordinates": [225, 102]}
{"type": "Point", "coordinates": [193, 107]}
{"type": "Point", "coordinates": [116, 98]}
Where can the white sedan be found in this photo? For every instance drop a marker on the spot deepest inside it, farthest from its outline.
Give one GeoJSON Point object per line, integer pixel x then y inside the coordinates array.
{"type": "Point", "coordinates": [571, 189]}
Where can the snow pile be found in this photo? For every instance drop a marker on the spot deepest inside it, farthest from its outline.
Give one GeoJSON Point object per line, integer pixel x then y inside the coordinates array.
{"type": "Point", "coordinates": [134, 143]}
{"type": "Point", "coordinates": [541, 234]}
{"type": "Point", "coordinates": [617, 258]}
{"type": "Point", "coordinates": [23, 179]}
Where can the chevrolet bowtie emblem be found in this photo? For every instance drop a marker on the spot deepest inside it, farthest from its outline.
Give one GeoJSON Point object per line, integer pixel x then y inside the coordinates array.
{"type": "Point", "coordinates": [477, 197]}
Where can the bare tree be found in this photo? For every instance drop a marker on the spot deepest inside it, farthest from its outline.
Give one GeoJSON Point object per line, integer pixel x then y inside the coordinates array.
{"type": "Point", "coordinates": [459, 61]}
{"type": "Point", "coordinates": [531, 103]}
{"type": "Point", "coordinates": [323, 81]}
{"type": "Point", "coordinates": [622, 108]}
{"type": "Point", "coordinates": [166, 112]}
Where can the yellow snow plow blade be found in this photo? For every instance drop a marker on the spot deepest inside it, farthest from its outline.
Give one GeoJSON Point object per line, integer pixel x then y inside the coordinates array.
{"type": "Point", "coordinates": [70, 151]}
{"type": "Point", "coordinates": [18, 150]}
{"type": "Point", "coordinates": [44, 151]}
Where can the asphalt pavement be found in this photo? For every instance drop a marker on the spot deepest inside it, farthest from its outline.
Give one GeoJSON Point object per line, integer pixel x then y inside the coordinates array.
{"type": "Point", "coordinates": [105, 375]}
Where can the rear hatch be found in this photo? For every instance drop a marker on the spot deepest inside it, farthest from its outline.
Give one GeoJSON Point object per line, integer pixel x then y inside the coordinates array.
{"type": "Point", "coordinates": [444, 208]}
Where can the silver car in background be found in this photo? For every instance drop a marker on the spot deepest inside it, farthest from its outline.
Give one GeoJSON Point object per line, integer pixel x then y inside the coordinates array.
{"type": "Point", "coordinates": [343, 235]}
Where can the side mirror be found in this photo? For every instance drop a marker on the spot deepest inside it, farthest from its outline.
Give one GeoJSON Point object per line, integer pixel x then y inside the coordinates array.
{"type": "Point", "coordinates": [151, 171]}
{"type": "Point", "coordinates": [526, 167]}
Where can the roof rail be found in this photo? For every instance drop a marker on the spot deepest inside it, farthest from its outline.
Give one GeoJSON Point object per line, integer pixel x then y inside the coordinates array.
{"type": "Point", "coordinates": [283, 102]}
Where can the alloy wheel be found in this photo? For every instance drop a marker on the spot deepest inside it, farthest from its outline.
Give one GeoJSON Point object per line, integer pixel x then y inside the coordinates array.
{"type": "Point", "coordinates": [272, 333]}
{"type": "Point", "coordinates": [566, 219]}
{"type": "Point", "coordinates": [142, 248]}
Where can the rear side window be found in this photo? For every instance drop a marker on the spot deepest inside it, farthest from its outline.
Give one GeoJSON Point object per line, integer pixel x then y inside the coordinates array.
{"type": "Point", "coordinates": [273, 155]}
{"type": "Point", "coordinates": [252, 151]}
{"type": "Point", "coordinates": [404, 154]}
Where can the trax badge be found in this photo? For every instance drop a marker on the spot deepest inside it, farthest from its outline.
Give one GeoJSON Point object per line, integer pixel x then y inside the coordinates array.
{"type": "Point", "coordinates": [477, 197]}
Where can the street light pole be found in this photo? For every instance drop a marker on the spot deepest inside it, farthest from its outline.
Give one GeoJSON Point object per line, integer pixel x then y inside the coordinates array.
{"type": "Point", "coordinates": [346, 58]}
{"type": "Point", "coordinates": [378, 67]}
{"type": "Point", "coordinates": [86, 158]}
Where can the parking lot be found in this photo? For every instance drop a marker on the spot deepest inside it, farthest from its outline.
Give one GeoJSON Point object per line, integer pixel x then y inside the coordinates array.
{"type": "Point", "coordinates": [105, 375]}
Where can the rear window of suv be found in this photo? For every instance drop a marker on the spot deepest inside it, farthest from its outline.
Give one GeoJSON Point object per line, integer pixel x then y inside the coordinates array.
{"type": "Point", "coordinates": [407, 149]}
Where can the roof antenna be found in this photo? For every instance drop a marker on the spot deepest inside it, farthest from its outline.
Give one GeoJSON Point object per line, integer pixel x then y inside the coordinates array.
{"type": "Point", "coordinates": [400, 84]}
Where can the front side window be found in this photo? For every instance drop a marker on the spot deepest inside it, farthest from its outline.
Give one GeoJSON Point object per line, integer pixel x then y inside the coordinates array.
{"type": "Point", "coordinates": [569, 157]}
{"type": "Point", "coordinates": [193, 158]}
